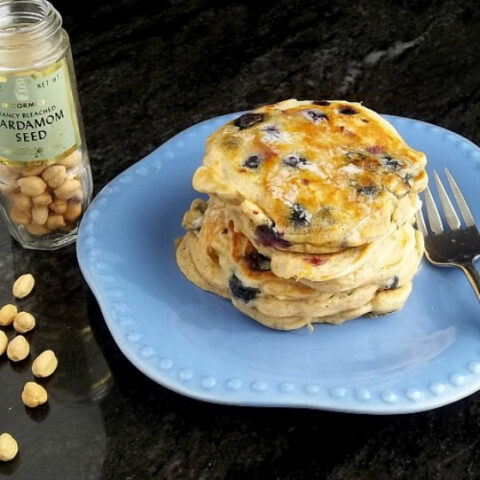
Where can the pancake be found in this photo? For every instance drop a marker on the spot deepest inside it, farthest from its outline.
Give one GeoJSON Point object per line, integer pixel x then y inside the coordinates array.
{"type": "Point", "coordinates": [285, 313]}
{"type": "Point", "coordinates": [378, 262]}
{"type": "Point", "coordinates": [187, 266]}
{"type": "Point", "coordinates": [220, 252]}
{"type": "Point", "coordinates": [384, 302]}
{"type": "Point", "coordinates": [292, 323]}
{"type": "Point", "coordinates": [258, 228]}
{"type": "Point", "coordinates": [328, 175]}
{"type": "Point", "coordinates": [395, 270]}
{"type": "Point", "coordinates": [222, 260]}
{"type": "Point", "coordinates": [313, 266]}
{"type": "Point", "coordinates": [310, 215]}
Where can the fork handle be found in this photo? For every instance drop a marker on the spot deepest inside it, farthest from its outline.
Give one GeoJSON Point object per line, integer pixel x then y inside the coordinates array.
{"type": "Point", "coordinates": [473, 277]}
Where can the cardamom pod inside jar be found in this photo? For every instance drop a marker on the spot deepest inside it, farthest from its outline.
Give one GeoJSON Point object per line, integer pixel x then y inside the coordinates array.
{"type": "Point", "coordinates": [45, 176]}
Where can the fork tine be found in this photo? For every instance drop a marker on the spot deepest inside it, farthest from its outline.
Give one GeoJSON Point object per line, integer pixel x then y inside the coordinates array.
{"type": "Point", "coordinates": [421, 223]}
{"type": "Point", "coordinates": [462, 204]}
{"type": "Point", "coordinates": [432, 213]}
{"type": "Point", "coordinates": [452, 218]}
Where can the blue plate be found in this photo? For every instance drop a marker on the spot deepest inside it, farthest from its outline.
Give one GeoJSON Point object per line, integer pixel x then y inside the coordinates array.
{"type": "Point", "coordinates": [198, 344]}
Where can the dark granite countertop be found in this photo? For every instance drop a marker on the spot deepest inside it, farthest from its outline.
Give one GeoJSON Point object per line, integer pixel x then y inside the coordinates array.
{"type": "Point", "coordinates": [147, 70]}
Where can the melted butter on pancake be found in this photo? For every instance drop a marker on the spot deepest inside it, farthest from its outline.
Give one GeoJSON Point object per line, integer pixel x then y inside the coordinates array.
{"type": "Point", "coordinates": [338, 156]}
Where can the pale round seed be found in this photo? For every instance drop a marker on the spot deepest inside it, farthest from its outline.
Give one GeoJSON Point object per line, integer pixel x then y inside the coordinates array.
{"type": "Point", "coordinates": [23, 285]}
{"type": "Point", "coordinates": [40, 215]}
{"type": "Point", "coordinates": [59, 206]}
{"type": "Point", "coordinates": [24, 322]}
{"type": "Point", "coordinates": [74, 210]}
{"type": "Point", "coordinates": [3, 342]}
{"type": "Point", "coordinates": [77, 197]}
{"type": "Point", "coordinates": [43, 199]}
{"type": "Point", "coordinates": [21, 202]}
{"type": "Point", "coordinates": [68, 189]}
{"type": "Point", "coordinates": [72, 160]}
{"type": "Point", "coordinates": [45, 364]}
{"type": "Point", "coordinates": [55, 221]}
{"type": "Point", "coordinates": [18, 349]}
{"type": "Point", "coordinates": [55, 175]}
{"type": "Point", "coordinates": [8, 447]}
{"type": "Point", "coordinates": [31, 186]}
{"type": "Point", "coordinates": [7, 314]}
{"type": "Point", "coordinates": [34, 395]}
{"type": "Point", "coordinates": [20, 216]}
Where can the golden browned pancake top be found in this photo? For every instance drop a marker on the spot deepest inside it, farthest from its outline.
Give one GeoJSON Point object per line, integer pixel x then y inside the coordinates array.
{"type": "Point", "coordinates": [324, 173]}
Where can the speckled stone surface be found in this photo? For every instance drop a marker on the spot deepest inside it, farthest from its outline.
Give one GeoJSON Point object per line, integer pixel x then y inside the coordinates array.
{"type": "Point", "coordinates": [147, 70]}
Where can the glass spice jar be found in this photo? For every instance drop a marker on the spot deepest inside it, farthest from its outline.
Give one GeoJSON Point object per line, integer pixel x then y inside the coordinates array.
{"type": "Point", "coordinates": [45, 176]}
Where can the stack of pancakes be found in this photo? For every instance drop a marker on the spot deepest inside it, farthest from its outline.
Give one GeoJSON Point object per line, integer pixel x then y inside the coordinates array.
{"type": "Point", "coordinates": [310, 214]}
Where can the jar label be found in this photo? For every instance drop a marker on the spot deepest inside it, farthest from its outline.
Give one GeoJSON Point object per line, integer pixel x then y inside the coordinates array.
{"type": "Point", "coordinates": [37, 116]}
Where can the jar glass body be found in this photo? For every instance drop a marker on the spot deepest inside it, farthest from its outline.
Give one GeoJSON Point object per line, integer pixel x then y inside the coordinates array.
{"type": "Point", "coordinates": [45, 175]}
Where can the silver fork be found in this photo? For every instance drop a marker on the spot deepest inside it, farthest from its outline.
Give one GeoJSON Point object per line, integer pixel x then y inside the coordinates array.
{"type": "Point", "coordinates": [459, 247]}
